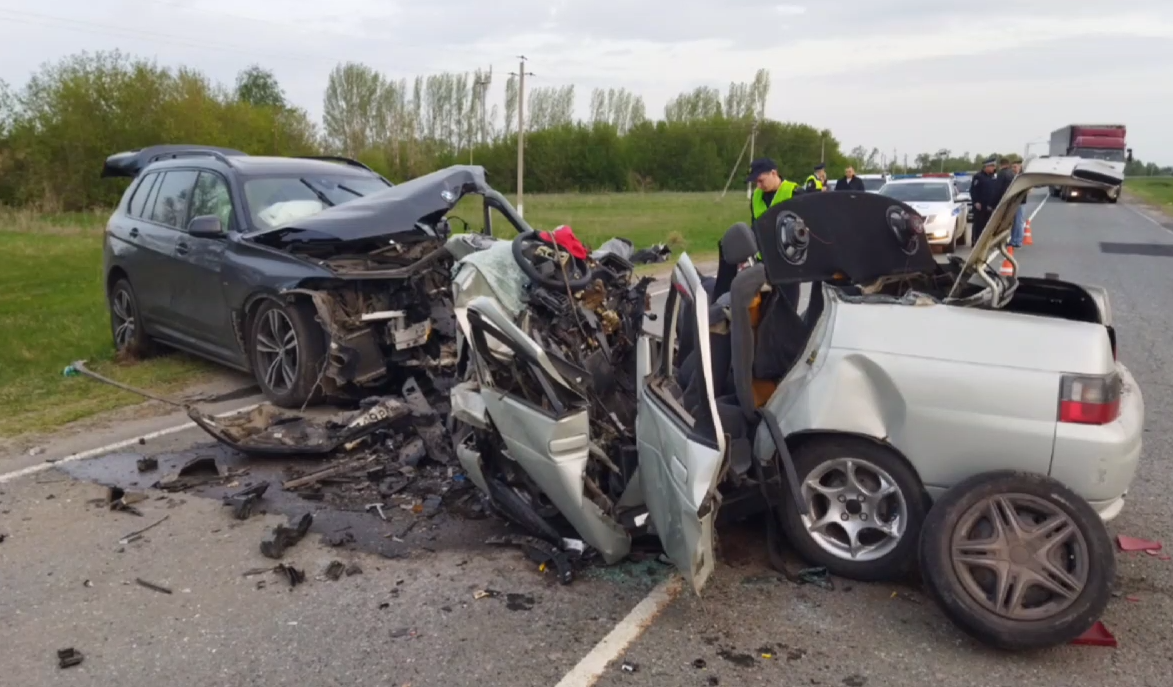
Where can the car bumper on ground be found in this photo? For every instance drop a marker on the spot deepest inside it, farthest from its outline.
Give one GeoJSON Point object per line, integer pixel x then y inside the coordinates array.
{"type": "Point", "coordinates": [1099, 461]}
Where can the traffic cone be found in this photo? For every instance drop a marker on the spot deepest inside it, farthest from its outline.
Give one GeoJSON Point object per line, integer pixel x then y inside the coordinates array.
{"type": "Point", "coordinates": [1027, 240]}
{"type": "Point", "coordinates": [1007, 266]}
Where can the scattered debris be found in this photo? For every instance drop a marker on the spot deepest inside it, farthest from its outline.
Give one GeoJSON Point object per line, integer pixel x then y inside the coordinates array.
{"type": "Point", "coordinates": [342, 539]}
{"type": "Point", "coordinates": [291, 573]}
{"type": "Point", "coordinates": [714, 680]}
{"type": "Point", "coordinates": [907, 596]}
{"type": "Point", "coordinates": [430, 425]}
{"type": "Point", "coordinates": [196, 472]}
{"type": "Point", "coordinates": [282, 537]}
{"type": "Point", "coordinates": [68, 658]}
{"type": "Point", "coordinates": [353, 569]}
{"type": "Point", "coordinates": [87, 583]}
{"type": "Point", "coordinates": [243, 501]}
{"type": "Point", "coordinates": [739, 660]}
{"type": "Point", "coordinates": [1096, 635]}
{"type": "Point", "coordinates": [1134, 599]}
{"type": "Point", "coordinates": [377, 507]}
{"type": "Point", "coordinates": [629, 667]}
{"type": "Point", "coordinates": [855, 680]}
{"type": "Point", "coordinates": [152, 586]}
{"type": "Point", "coordinates": [699, 664]}
{"type": "Point", "coordinates": [36, 450]}
{"type": "Point", "coordinates": [258, 571]}
{"type": "Point", "coordinates": [119, 499]}
{"type": "Point", "coordinates": [3, 537]}
{"type": "Point", "coordinates": [816, 576]}
{"type": "Point", "coordinates": [334, 570]}
{"type": "Point", "coordinates": [147, 464]}
{"type": "Point", "coordinates": [485, 594]}
{"type": "Point", "coordinates": [519, 602]}
{"type": "Point", "coordinates": [541, 552]}
{"type": "Point", "coordinates": [1131, 544]}
{"type": "Point", "coordinates": [139, 533]}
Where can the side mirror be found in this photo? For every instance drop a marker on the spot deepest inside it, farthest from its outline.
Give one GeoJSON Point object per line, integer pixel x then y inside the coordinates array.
{"type": "Point", "coordinates": [1130, 154]}
{"type": "Point", "coordinates": [205, 227]}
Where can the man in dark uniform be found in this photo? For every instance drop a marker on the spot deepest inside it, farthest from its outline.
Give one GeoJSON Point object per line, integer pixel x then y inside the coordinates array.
{"type": "Point", "coordinates": [818, 180]}
{"type": "Point", "coordinates": [850, 182]}
{"type": "Point", "coordinates": [984, 195]}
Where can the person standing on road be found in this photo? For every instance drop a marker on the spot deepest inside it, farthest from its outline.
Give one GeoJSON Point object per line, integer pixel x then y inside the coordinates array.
{"type": "Point", "coordinates": [771, 187]}
{"type": "Point", "coordinates": [1018, 234]}
{"type": "Point", "coordinates": [818, 180]}
{"type": "Point", "coordinates": [983, 193]}
{"type": "Point", "coordinates": [771, 190]}
{"type": "Point", "coordinates": [849, 182]}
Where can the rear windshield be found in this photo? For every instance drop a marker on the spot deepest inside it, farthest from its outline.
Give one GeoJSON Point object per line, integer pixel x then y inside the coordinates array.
{"type": "Point", "coordinates": [925, 192]}
{"type": "Point", "coordinates": [276, 201]}
{"type": "Point", "coordinates": [873, 184]}
{"type": "Point", "coordinates": [963, 184]}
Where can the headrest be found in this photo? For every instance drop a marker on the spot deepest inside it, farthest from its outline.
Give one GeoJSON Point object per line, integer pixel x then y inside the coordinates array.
{"type": "Point", "coordinates": [738, 244]}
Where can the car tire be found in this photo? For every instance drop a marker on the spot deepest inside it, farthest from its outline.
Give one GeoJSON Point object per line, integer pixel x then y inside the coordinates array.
{"type": "Point", "coordinates": [1080, 558]}
{"type": "Point", "coordinates": [828, 462]}
{"type": "Point", "coordinates": [287, 374]}
{"type": "Point", "coordinates": [126, 323]}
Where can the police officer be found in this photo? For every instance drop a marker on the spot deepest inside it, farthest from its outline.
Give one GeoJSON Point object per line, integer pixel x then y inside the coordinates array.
{"type": "Point", "coordinates": [771, 188]}
{"type": "Point", "coordinates": [818, 180]}
{"type": "Point", "coordinates": [984, 195]}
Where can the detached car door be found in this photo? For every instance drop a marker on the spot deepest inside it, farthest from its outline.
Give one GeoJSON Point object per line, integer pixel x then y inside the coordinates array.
{"type": "Point", "coordinates": [678, 431]}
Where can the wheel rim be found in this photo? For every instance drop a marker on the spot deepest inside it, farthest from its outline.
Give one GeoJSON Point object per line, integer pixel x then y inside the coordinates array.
{"type": "Point", "coordinates": [277, 351]}
{"type": "Point", "coordinates": [1020, 557]}
{"type": "Point", "coordinates": [855, 509]}
{"type": "Point", "coordinates": [123, 314]}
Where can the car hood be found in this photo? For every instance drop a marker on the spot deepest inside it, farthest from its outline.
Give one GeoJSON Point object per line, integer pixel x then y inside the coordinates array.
{"type": "Point", "coordinates": [851, 236]}
{"type": "Point", "coordinates": [926, 209]}
{"type": "Point", "coordinates": [1050, 171]}
{"type": "Point", "coordinates": [411, 207]}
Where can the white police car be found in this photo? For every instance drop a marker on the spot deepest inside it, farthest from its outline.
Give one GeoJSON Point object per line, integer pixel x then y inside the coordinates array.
{"type": "Point", "coordinates": [937, 200]}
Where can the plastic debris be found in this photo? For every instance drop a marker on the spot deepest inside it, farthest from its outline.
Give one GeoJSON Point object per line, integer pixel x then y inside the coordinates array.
{"type": "Point", "coordinates": [541, 552]}
{"type": "Point", "coordinates": [292, 574]}
{"type": "Point", "coordinates": [67, 658]}
{"type": "Point", "coordinates": [137, 534]}
{"type": "Point", "coordinates": [283, 537]}
{"type": "Point", "coordinates": [1130, 544]}
{"type": "Point", "coordinates": [629, 667]}
{"type": "Point", "coordinates": [1096, 635]}
{"type": "Point", "coordinates": [334, 570]}
{"type": "Point", "coordinates": [152, 586]}
{"type": "Point", "coordinates": [699, 664]}
{"type": "Point", "coordinates": [147, 464]}
{"type": "Point", "coordinates": [816, 576]}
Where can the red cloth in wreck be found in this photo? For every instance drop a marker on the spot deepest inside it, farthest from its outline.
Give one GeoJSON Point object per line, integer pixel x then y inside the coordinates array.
{"type": "Point", "coordinates": [565, 237]}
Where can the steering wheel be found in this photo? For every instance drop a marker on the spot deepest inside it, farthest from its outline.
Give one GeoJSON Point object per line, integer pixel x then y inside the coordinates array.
{"type": "Point", "coordinates": [539, 261]}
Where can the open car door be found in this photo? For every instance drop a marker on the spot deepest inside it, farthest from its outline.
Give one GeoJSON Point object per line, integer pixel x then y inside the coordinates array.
{"type": "Point", "coordinates": [678, 432]}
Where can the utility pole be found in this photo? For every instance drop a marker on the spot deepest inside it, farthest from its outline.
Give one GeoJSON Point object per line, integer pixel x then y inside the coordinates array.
{"type": "Point", "coordinates": [823, 149]}
{"type": "Point", "coordinates": [521, 74]}
{"type": "Point", "coordinates": [753, 132]}
{"type": "Point", "coordinates": [483, 85]}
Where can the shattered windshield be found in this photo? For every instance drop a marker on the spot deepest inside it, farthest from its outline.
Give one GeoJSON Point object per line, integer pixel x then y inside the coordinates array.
{"type": "Point", "coordinates": [274, 201]}
{"type": "Point", "coordinates": [918, 193]}
{"type": "Point", "coordinates": [1106, 154]}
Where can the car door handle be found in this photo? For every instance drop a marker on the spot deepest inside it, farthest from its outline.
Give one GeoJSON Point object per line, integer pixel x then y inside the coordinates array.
{"type": "Point", "coordinates": [134, 232]}
{"type": "Point", "coordinates": [182, 248]}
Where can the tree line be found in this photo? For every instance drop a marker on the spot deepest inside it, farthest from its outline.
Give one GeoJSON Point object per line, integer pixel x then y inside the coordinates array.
{"type": "Point", "coordinates": [56, 129]}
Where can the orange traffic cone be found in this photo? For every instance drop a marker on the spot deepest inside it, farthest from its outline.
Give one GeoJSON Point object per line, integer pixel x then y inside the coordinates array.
{"type": "Point", "coordinates": [1007, 266]}
{"type": "Point", "coordinates": [1027, 240]}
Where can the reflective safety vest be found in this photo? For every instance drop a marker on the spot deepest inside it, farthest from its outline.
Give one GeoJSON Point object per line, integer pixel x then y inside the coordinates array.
{"type": "Point", "coordinates": [758, 204]}
{"type": "Point", "coordinates": [818, 184]}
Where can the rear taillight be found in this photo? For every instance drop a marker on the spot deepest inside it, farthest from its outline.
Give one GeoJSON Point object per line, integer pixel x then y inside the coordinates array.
{"type": "Point", "coordinates": [1089, 399]}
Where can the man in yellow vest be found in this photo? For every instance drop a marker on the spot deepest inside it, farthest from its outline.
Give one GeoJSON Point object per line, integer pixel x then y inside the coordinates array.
{"type": "Point", "coordinates": [818, 180]}
{"type": "Point", "coordinates": [771, 190]}
{"type": "Point", "coordinates": [771, 187]}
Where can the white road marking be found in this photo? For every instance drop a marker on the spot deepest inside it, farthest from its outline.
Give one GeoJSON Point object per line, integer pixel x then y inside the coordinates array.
{"type": "Point", "coordinates": [1138, 212]}
{"type": "Point", "coordinates": [1040, 207]}
{"type": "Point", "coordinates": [102, 450]}
{"type": "Point", "coordinates": [591, 667]}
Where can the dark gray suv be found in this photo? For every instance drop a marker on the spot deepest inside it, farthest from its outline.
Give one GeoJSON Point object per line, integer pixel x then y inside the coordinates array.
{"type": "Point", "coordinates": [316, 274]}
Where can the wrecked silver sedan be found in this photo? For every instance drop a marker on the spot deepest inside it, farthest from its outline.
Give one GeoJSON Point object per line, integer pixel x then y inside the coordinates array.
{"type": "Point", "coordinates": [843, 421]}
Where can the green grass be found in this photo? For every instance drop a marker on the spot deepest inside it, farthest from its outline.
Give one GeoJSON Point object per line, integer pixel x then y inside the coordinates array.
{"type": "Point", "coordinates": [1156, 190]}
{"type": "Point", "coordinates": [685, 221]}
{"type": "Point", "coordinates": [53, 308]}
{"type": "Point", "coordinates": [52, 312]}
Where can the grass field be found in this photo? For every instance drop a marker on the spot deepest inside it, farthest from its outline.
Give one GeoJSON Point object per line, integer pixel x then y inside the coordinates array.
{"type": "Point", "coordinates": [53, 309]}
{"type": "Point", "coordinates": [1155, 190]}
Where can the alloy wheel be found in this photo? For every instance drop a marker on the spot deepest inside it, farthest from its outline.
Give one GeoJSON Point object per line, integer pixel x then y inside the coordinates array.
{"type": "Point", "coordinates": [124, 322]}
{"type": "Point", "coordinates": [1020, 557]}
{"type": "Point", "coordinates": [856, 511]}
{"type": "Point", "coordinates": [277, 350]}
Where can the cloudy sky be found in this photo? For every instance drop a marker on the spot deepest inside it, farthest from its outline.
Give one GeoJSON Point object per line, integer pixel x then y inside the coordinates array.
{"type": "Point", "coordinates": [909, 75]}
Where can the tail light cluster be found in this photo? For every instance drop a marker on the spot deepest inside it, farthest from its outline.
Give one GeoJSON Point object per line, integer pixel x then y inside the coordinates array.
{"type": "Point", "coordinates": [1090, 399]}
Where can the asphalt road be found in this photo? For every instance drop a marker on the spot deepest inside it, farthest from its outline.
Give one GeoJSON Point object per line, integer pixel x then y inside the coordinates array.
{"type": "Point", "coordinates": [414, 619]}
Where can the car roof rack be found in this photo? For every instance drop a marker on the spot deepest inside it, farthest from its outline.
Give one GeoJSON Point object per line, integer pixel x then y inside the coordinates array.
{"type": "Point", "coordinates": [338, 158]}
{"type": "Point", "coordinates": [194, 152]}
{"type": "Point", "coordinates": [132, 162]}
